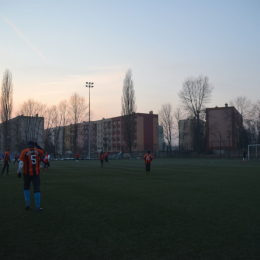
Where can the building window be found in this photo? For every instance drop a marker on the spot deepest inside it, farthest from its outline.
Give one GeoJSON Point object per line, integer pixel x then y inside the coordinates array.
{"type": "Point", "coordinates": [135, 147]}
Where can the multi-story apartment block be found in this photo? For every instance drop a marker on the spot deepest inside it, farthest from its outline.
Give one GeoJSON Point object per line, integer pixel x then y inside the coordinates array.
{"type": "Point", "coordinates": [223, 126]}
{"type": "Point", "coordinates": [55, 137]}
{"type": "Point", "coordinates": [188, 134]}
{"type": "Point", "coordinates": [22, 129]}
{"type": "Point", "coordinates": [108, 134]}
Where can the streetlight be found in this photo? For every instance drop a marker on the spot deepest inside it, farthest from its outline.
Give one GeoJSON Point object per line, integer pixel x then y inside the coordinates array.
{"type": "Point", "coordinates": [89, 85]}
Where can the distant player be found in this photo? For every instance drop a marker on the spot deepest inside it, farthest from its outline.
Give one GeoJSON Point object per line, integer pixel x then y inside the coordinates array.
{"type": "Point", "coordinates": [16, 158]}
{"type": "Point", "coordinates": [244, 156]}
{"type": "Point", "coordinates": [46, 161]}
{"type": "Point", "coordinates": [147, 158]}
{"type": "Point", "coordinates": [77, 157]}
{"type": "Point", "coordinates": [106, 157]}
{"type": "Point", "coordinates": [101, 158]}
{"type": "Point", "coordinates": [6, 161]}
{"type": "Point", "coordinates": [30, 166]}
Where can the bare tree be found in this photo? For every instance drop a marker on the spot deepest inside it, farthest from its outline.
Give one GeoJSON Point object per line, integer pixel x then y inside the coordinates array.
{"type": "Point", "coordinates": [166, 119]}
{"type": "Point", "coordinates": [6, 105]}
{"type": "Point", "coordinates": [178, 115]}
{"type": "Point", "coordinates": [246, 110]}
{"type": "Point", "coordinates": [77, 111]}
{"type": "Point", "coordinates": [33, 123]}
{"type": "Point", "coordinates": [128, 110]}
{"type": "Point", "coordinates": [254, 123]}
{"type": "Point", "coordinates": [244, 107]}
{"type": "Point", "coordinates": [195, 93]}
{"type": "Point", "coordinates": [51, 122]}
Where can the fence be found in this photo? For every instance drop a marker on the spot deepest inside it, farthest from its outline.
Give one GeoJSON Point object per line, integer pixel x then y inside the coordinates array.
{"type": "Point", "coordinates": [176, 153]}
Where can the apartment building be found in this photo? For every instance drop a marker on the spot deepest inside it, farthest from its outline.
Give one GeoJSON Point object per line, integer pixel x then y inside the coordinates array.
{"type": "Point", "coordinates": [107, 134]}
{"type": "Point", "coordinates": [21, 129]}
{"type": "Point", "coordinates": [188, 134]}
{"type": "Point", "coordinates": [223, 126]}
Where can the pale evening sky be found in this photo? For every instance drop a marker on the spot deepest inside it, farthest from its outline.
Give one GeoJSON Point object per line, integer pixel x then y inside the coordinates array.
{"type": "Point", "coordinates": [53, 47]}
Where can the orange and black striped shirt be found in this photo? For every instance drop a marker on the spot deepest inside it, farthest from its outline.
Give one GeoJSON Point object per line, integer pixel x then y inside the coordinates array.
{"type": "Point", "coordinates": [31, 160]}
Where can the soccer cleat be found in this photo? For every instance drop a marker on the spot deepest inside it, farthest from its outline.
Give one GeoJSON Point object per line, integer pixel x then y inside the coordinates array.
{"type": "Point", "coordinates": [38, 209]}
{"type": "Point", "coordinates": [27, 207]}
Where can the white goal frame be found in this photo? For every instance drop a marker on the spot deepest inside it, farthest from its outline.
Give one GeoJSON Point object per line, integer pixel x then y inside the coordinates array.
{"type": "Point", "coordinates": [255, 150]}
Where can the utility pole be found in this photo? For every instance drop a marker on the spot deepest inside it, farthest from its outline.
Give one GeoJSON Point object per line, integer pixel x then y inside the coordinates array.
{"type": "Point", "coordinates": [89, 85]}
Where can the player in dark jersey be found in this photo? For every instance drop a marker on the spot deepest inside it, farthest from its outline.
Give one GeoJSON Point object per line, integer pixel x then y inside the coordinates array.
{"type": "Point", "coordinates": [6, 161]}
{"type": "Point", "coordinates": [101, 158]}
{"type": "Point", "coordinates": [30, 165]}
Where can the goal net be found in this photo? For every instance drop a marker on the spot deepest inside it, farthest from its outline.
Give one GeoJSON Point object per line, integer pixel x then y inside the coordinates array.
{"type": "Point", "coordinates": [253, 151]}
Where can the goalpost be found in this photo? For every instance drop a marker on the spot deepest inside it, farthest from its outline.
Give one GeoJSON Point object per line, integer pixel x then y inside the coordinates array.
{"type": "Point", "coordinates": [252, 151]}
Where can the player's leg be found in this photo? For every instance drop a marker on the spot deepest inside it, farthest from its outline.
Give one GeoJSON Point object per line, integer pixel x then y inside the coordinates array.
{"type": "Point", "coordinates": [26, 188]}
{"type": "Point", "coordinates": [149, 167]}
{"type": "Point", "coordinates": [4, 168]}
{"type": "Point", "coordinates": [36, 187]}
{"type": "Point", "coordinates": [7, 167]}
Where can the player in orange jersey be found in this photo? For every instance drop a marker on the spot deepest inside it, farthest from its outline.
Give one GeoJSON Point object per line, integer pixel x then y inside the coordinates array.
{"type": "Point", "coordinates": [148, 158]}
{"type": "Point", "coordinates": [46, 161]}
{"type": "Point", "coordinates": [16, 157]}
{"type": "Point", "coordinates": [106, 157]}
{"type": "Point", "coordinates": [77, 157]}
{"type": "Point", "coordinates": [6, 161]}
{"type": "Point", "coordinates": [30, 165]}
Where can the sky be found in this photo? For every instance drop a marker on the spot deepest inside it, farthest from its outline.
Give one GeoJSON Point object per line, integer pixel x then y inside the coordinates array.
{"type": "Point", "coordinates": [53, 47]}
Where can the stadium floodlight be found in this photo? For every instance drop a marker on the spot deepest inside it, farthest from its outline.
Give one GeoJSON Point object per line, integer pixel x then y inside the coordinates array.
{"type": "Point", "coordinates": [89, 85]}
{"type": "Point", "coordinates": [251, 150]}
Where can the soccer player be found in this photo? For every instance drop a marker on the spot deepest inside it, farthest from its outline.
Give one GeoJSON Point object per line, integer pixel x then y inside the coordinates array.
{"type": "Point", "coordinates": [16, 157]}
{"type": "Point", "coordinates": [106, 157]}
{"type": "Point", "coordinates": [147, 158]}
{"type": "Point", "coordinates": [30, 165]}
{"type": "Point", "coordinates": [244, 156]}
{"type": "Point", "coordinates": [6, 161]}
{"type": "Point", "coordinates": [46, 161]}
{"type": "Point", "coordinates": [101, 158]}
{"type": "Point", "coordinates": [77, 157]}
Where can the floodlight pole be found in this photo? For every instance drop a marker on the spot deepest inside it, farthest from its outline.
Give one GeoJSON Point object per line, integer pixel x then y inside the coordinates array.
{"type": "Point", "coordinates": [89, 85]}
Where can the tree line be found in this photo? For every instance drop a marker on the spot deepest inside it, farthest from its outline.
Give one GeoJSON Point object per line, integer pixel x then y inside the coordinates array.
{"type": "Point", "coordinates": [68, 112]}
{"type": "Point", "coordinates": [194, 95]}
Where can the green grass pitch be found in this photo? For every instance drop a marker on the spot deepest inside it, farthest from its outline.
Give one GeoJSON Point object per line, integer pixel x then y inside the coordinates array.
{"type": "Point", "coordinates": [183, 209]}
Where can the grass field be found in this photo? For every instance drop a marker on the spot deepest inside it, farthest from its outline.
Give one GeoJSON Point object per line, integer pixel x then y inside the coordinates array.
{"type": "Point", "coordinates": [183, 209]}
